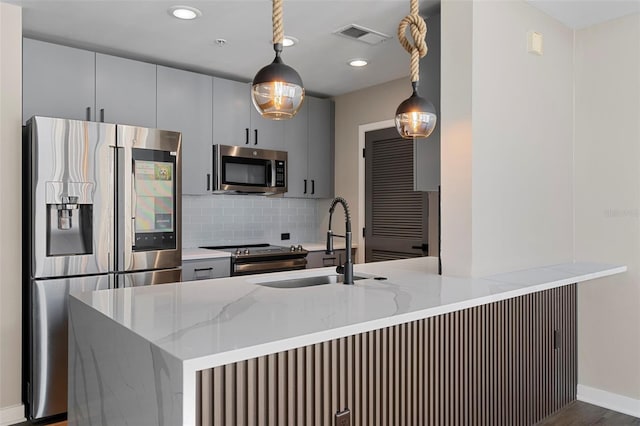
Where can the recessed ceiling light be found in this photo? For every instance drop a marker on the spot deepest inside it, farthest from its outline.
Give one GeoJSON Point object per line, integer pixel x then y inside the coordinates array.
{"type": "Point", "coordinates": [289, 41]}
{"type": "Point", "coordinates": [358, 62]}
{"type": "Point", "coordinates": [184, 12]}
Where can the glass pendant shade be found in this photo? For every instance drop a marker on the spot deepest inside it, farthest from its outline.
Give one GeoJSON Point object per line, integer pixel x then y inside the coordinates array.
{"type": "Point", "coordinates": [415, 117]}
{"type": "Point", "coordinates": [277, 90]}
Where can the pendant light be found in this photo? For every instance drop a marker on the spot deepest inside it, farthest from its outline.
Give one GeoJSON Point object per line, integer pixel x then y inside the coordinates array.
{"type": "Point", "coordinates": [416, 116]}
{"type": "Point", "coordinates": [277, 90]}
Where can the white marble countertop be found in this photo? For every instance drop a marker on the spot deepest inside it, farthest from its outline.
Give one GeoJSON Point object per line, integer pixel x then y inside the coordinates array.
{"type": "Point", "coordinates": [200, 254]}
{"type": "Point", "coordinates": [215, 322]}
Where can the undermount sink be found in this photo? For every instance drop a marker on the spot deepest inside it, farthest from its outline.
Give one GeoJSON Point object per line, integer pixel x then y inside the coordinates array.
{"type": "Point", "coordinates": [309, 281]}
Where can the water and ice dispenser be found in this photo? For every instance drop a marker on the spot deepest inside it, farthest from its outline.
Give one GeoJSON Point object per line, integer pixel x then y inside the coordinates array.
{"type": "Point", "coordinates": [69, 218]}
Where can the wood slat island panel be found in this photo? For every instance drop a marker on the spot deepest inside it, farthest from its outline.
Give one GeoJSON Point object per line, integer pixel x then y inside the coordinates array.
{"type": "Point", "coordinates": [511, 362]}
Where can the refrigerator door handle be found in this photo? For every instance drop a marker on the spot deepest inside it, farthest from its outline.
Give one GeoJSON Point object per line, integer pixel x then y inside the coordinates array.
{"type": "Point", "coordinates": [121, 192]}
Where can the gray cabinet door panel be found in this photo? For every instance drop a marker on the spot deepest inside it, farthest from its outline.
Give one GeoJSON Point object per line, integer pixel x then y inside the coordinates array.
{"type": "Point", "coordinates": [296, 139]}
{"type": "Point", "coordinates": [125, 91]}
{"type": "Point", "coordinates": [205, 269]}
{"type": "Point", "coordinates": [427, 151]}
{"type": "Point", "coordinates": [185, 105]}
{"type": "Point", "coordinates": [266, 133]}
{"type": "Point", "coordinates": [320, 148]}
{"type": "Point", "coordinates": [58, 81]}
{"type": "Point", "coordinates": [231, 105]}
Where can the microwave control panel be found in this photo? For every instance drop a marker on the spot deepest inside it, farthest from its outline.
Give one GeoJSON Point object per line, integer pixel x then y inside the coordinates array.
{"type": "Point", "coordinates": [280, 172]}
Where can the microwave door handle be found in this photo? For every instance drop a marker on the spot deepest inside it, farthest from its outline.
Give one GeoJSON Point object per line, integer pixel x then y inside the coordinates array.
{"type": "Point", "coordinates": [271, 174]}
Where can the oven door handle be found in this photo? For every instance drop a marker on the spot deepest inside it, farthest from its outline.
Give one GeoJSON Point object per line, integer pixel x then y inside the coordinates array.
{"type": "Point", "coordinates": [270, 266]}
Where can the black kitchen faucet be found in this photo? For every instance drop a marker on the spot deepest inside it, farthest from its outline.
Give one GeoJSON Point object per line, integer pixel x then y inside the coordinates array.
{"type": "Point", "coordinates": [347, 268]}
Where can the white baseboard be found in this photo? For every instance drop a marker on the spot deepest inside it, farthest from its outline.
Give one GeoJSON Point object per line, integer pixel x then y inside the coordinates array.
{"type": "Point", "coordinates": [611, 401]}
{"type": "Point", "coordinates": [12, 415]}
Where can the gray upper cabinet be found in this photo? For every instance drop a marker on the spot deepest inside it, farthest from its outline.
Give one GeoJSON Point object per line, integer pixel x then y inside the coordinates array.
{"type": "Point", "coordinates": [58, 81]}
{"type": "Point", "coordinates": [267, 134]}
{"type": "Point", "coordinates": [230, 112]}
{"type": "Point", "coordinates": [236, 121]}
{"type": "Point", "coordinates": [125, 91]}
{"type": "Point", "coordinates": [296, 137]}
{"type": "Point", "coordinates": [426, 152]}
{"type": "Point", "coordinates": [309, 142]}
{"type": "Point", "coordinates": [185, 105]}
{"type": "Point", "coordinates": [320, 157]}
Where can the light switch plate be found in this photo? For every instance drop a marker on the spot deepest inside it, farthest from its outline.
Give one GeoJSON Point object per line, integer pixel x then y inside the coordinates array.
{"type": "Point", "coordinates": [534, 43]}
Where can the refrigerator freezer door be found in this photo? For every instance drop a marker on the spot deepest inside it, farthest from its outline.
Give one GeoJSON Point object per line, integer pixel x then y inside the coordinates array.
{"type": "Point", "coordinates": [137, 279]}
{"type": "Point", "coordinates": [71, 202]}
{"type": "Point", "coordinates": [48, 359]}
{"type": "Point", "coordinates": [149, 199]}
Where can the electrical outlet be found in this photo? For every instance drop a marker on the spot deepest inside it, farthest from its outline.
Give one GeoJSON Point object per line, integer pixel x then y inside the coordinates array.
{"type": "Point", "coordinates": [285, 236]}
{"type": "Point", "coordinates": [343, 418]}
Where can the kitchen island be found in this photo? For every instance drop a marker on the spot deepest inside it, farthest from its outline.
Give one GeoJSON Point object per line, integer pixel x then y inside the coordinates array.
{"type": "Point", "coordinates": [403, 345]}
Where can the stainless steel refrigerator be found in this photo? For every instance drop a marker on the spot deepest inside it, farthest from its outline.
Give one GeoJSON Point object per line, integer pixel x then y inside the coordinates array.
{"type": "Point", "coordinates": [102, 209]}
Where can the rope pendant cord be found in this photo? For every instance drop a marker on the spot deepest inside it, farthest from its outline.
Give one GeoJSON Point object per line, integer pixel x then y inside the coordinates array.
{"type": "Point", "coordinates": [278, 27]}
{"type": "Point", "coordinates": [418, 29]}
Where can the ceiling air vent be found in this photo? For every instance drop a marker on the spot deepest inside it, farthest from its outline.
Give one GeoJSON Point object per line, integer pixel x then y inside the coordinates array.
{"type": "Point", "coordinates": [365, 35]}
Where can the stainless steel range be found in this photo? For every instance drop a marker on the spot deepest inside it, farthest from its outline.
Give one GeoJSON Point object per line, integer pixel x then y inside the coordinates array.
{"type": "Point", "coordinates": [261, 258]}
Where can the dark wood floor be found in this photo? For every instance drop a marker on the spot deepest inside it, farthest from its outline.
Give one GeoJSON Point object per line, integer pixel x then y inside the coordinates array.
{"type": "Point", "coordinates": [582, 414]}
{"type": "Point", "coordinates": [575, 414]}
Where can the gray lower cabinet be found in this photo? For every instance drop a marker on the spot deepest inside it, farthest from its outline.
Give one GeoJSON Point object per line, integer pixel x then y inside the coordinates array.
{"type": "Point", "coordinates": [57, 81]}
{"type": "Point", "coordinates": [309, 142]}
{"type": "Point", "coordinates": [185, 104]}
{"type": "Point", "coordinates": [319, 259]}
{"type": "Point", "coordinates": [237, 122]}
{"type": "Point", "coordinates": [205, 269]}
{"type": "Point", "coordinates": [125, 91]}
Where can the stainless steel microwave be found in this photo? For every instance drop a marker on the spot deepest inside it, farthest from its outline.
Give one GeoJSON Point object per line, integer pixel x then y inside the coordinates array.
{"type": "Point", "coordinates": [240, 170]}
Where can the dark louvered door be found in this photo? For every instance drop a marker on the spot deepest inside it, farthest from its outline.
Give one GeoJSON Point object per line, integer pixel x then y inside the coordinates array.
{"type": "Point", "coordinates": [396, 215]}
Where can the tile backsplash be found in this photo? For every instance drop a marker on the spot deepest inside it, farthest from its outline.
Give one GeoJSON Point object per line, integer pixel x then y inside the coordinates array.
{"type": "Point", "coordinates": [238, 219]}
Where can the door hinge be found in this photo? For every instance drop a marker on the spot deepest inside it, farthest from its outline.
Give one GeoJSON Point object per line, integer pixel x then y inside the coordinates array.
{"type": "Point", "coordinates": [363, 153]}
{"type": "Point", "coordinates": [364, 232]}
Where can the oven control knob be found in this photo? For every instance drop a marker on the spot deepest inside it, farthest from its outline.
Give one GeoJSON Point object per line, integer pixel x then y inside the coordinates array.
{"type": "Point", "coordinates": [292, 248]}
{"type": "Point", "coordinates": [300, 247]}
{"type": "Point", "coordinates": [246, 251]}
{"type": "Point", "coordinates": [238, 252]}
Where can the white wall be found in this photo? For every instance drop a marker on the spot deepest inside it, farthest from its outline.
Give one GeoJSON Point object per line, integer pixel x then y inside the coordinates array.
{"type": "Point", "coordinates": [10, 213]}
{"type": "Point", "coordinates": [456, 147]}
{"type": "Point", "coordinates": [507, 118]}
{"type": "Point", "coordinates": [607, 202]}
{"type": "Point", "coordinates": [522, 139]}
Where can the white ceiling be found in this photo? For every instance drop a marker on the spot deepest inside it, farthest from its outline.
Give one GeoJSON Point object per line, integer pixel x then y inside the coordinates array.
{"type": "Point", "coordinates": [144, 30]}
{"type": "Point", "coordinates": [583, 13]}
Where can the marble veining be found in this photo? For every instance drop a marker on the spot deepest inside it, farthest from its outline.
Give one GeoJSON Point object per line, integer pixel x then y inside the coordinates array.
{"type": "Point", "coordinates": [134, 352]}
{"type": "Point", "coordinates": [202, 320]}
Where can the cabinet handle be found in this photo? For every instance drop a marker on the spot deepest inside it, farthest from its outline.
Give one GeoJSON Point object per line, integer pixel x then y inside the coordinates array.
{"type": "Point", "coordinates": [246, 136]}
{"type": "Point", "coordinates": [313, 186]}
{"type": "Point", "coordinates": [203, 269]}
{"type": "Point", "coordinates": [88, 113]}
{"type": "Point", "coordinates": [256, 140]}
{"type": "Point", "coordinates": [305, 186]}
{"type": "Point", "coordinates": [208, 182]}
{"type": "Point", "coordinates": [102, 115]}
